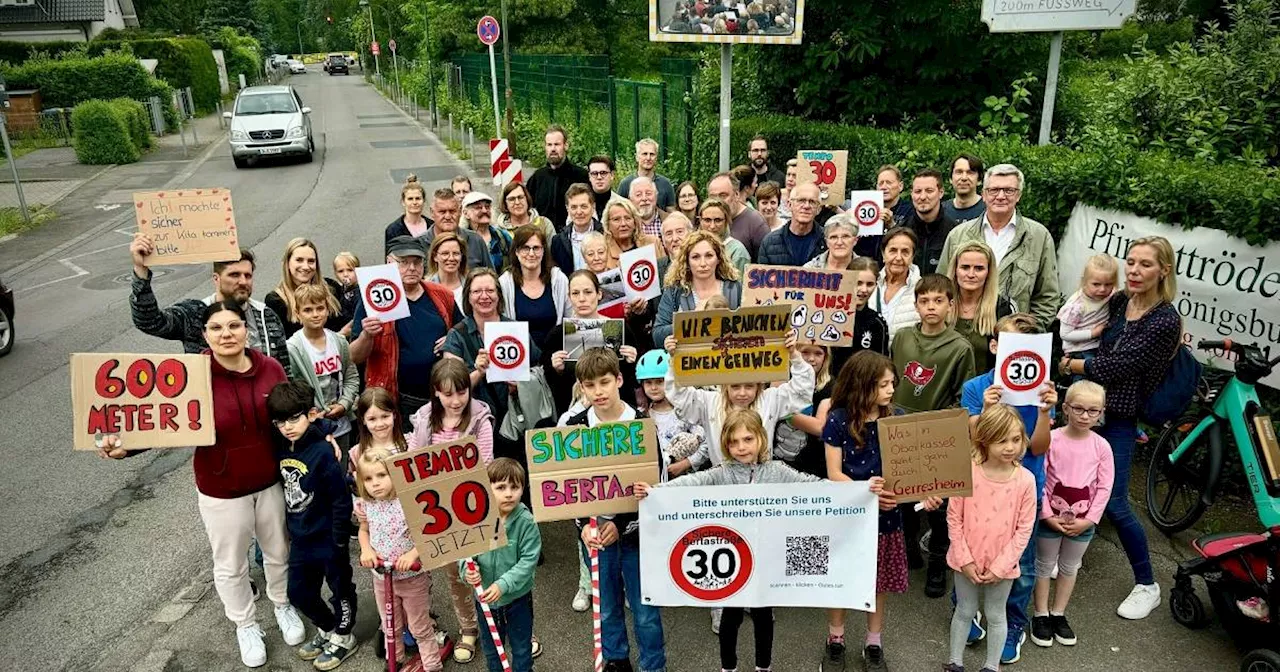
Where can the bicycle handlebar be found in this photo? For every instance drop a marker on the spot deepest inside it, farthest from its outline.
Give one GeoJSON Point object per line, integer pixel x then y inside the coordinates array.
{"type": "Point", "coordinates": [1225, 344]}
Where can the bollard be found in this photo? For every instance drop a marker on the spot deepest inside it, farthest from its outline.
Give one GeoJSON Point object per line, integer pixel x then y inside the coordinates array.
{"type": "Point", "coordinates": [471, 145]}
{"type": "Point", "coordinates": [450, 127]}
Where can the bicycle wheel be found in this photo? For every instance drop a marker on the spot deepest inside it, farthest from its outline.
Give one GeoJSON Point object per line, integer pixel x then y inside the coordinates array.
{"type": "Point", "coordinates": [1174, 491]}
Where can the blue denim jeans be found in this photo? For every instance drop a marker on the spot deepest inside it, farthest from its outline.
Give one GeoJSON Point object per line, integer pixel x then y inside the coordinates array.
{"type": "Point", "coordinates": [515, 626]}
{"type": "Point", "coordinates": [1122, 434]}
{"type": "Point", "coordinates": [619, 578]}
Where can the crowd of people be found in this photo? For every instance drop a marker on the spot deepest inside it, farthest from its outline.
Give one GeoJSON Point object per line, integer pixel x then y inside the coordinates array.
{"type": "Point", "coordinates": [311, 394]}
{"type": "Point", "coordinates": [724, 17]}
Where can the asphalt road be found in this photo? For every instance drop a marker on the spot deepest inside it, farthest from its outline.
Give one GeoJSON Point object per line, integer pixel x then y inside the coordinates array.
{"type": "Point", "coordinates": [105, 566]}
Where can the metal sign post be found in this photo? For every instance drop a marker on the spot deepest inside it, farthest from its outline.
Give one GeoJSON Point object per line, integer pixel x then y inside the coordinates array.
{"type": "Point", "coordinates": [395, 62]}
{"type": "Point", "coordinates": [726, 102]}
{"type": "Point", "coordinates": [13, 162]}
{"type": "Point", "coordinates": [1050, 87]}
{"type": "Point", "coordinates": [488, 31]}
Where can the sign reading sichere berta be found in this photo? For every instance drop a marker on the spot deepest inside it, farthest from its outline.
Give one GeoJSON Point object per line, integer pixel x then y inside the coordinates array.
{"type": "Point", "coordinates": [1024, 16]}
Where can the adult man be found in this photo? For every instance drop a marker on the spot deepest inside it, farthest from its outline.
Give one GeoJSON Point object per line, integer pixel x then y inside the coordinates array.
{"type": "Point", "coordinates": [184, 320]}
{"type": "Point", "coordinates": [644, 195]}
{"type": "Point", "coordinates": [927, 219]}
{"type": "Point", "coordinates": [748, 227]}
{"type": "Point", "coordinates": [399, 358]}
{"type": "Point", "coordinates": [966, 173]}
{"type": "Point", "coordinates": [889, 182]}
{"type": "Point", "coordinates": [674, 230]}
{"type": "Point", "coordinates": [478, 212]}
{"type": "Point", "coordinates": [1024, 249]}
{"type": "Point", "coordinates": [758, 153]}
{"type": "Point", "coordinates": [600, 175]}
{"type": "Point", "coordinates": [549, 183]}
{"type": "Point", "coordinates": [461, 186]}
{"type": "Point", "coordinates": [566, 247]}
{"type": "Point", "coordinates": [646, 161]}
{"type": "Point", "coordinates": [444, 210]}
{"type": "Point", "coordinates": [795, 243]}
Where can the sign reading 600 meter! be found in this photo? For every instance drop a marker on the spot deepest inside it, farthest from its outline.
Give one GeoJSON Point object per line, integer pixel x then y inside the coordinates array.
{"type": "Point", "coordinates": [587, 471]}
{"type": "Point", "coordinates": [716, 347]}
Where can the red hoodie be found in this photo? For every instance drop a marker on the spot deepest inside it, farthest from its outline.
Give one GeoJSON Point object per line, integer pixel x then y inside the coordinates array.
{"type": "Point", "coordinates": [243, 460]}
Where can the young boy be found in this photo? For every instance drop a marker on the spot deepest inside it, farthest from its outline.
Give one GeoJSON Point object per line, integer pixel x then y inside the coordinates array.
{"type": "Point", "coordinates": [980, 393]}
{"type": "Point", "coordinates": [935, 360]}
{"type": "Point", "coordinates": [618, 536]}
{"type": "Point", "coordinates": [506, 574]}
{"type": "Point", "coordinates": [321, 359]}
{"type": "Point", "coordinates": [318, 515]}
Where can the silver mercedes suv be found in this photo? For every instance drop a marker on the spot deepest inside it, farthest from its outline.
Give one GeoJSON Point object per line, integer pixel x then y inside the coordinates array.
{"type": "Point", "coordinates": [270, 121]}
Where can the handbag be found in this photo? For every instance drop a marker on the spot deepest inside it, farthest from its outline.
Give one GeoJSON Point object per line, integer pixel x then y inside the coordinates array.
{"type": "Point", "coordinates": [530, 402]}
{"type": "Point", "coordinates": [1175, 389]}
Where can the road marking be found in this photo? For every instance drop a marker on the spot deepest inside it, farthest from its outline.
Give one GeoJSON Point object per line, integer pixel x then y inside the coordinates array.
{"type": "Point", "coordinates": [77, 271]}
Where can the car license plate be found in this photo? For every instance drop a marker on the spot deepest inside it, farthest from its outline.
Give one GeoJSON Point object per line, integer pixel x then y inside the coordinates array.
{"type": "Point", "coordinates": [269, 150]}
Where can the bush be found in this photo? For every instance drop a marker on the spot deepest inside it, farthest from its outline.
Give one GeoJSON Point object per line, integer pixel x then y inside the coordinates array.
{"type": "Point", "coordinates": [1237, 199]}
{"type": "Point", "coordinates": [183, 62]}
{"type": "Point", "coordinates": [17, 53]}
{"type": "Point", "coordinates": [139, 121]}
{"type": "Point", "coordinates": [243, 55]}
{"type": "Point", "coordinates": [67, 81]}
{"type": "Point", "coordinates": [101, 133]}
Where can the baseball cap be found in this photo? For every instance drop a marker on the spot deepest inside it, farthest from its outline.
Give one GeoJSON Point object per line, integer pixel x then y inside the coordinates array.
{"type": "Point", "coordinates": [476, 197]}
{"type": "Point", "coordinates": [406, 246]}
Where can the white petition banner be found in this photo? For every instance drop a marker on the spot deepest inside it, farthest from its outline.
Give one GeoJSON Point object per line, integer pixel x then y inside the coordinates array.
{"type": "Point", "coordinates": [759, 546]}
{"type": "Point", "coordinates": [1226, 287]}
{"type": "Point", "coordinates": [1023, 362]}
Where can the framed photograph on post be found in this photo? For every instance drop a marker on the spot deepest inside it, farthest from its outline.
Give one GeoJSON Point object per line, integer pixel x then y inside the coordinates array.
{"type": "Point", "coordinates": [727, 21]}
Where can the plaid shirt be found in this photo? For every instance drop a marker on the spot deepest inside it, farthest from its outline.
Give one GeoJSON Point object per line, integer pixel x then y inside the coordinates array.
{"type": "Point", "coordinates": [653, 227]}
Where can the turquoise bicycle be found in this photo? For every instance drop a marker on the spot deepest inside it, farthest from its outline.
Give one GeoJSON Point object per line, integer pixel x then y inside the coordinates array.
{"type": "Point", "coordinates": [1186, 463]}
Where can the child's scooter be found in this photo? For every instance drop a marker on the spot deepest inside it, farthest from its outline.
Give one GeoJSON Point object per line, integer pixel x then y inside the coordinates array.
{"type": "Point", "coordinates": [385, 568]}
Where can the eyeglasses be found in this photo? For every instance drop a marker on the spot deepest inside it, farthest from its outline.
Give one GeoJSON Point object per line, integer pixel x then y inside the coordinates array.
{"type": "Point", "coordinates": [530, 249]}
{"type": "Point", "coordinates": [217, 328]}
{"type": "Point", "coordinates": [1006, 191]}
{"type": "Point", "coordinates": [291, 420]}
{"type": "Point", "coordinates": [600, 173]}
{"type": "Point", "coordinates": [409, 262]}
{"type": "Point", "coordinates": [1084, 412]}
{"type": "Point", "coordinates": [811, 202]}
{"type": "Point", "coordinates": [516, 198]}
{"type": "Point", "coordinates": [483, 291]}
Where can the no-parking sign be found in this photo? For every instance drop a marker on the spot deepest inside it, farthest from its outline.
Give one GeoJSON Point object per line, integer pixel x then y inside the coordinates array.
{"type": "Point", "coordinates": [867, 209]}
{"type": "Point", "coordinates": [382, 292]}
{"type": "Point", "coordinates": [640, 273]}
{"type": "Point", "coordinates": [487, 30]}
{"type": "Point", "coordinates": [508, 353]}
{"type": "Point", "coordinates": [1022, 366]}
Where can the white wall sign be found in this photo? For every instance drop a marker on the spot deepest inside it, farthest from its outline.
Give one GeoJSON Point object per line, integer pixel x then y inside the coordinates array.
{"type": "Point", "coordinates": [1024, 16]}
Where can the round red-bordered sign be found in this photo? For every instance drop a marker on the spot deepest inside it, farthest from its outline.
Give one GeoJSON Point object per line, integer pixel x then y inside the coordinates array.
{"type": "Point", "coordinates": [867, 213]}
{"type": "Point", "coordinates": [488, 31]}
{"type": "Point", "coordinates": [711, 563]}
{"type": "Point", "coordinates": [640, 276]}
{"type": "Point", "coordinates": [382, 295]}
{"type": "Point", "coordinates": [1023, 370]}
{"type": "Point", "coordinates": [511, 349]}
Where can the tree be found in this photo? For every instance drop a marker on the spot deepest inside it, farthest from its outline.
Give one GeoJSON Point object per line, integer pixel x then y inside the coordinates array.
{"type": "Point", "coordinates": [237, 14]}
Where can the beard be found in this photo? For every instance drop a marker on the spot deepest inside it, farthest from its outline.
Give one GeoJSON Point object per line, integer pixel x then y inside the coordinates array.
{"type": "Point", "coordinates": [759, 163]}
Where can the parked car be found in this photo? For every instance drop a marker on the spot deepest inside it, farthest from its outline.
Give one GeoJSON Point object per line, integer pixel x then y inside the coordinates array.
{"type": "Point", "coordinates": [351, 60]}
{"type": "Point", "coordinates": [270, 121]}
{"type": "Point", "coordinates": [336, 63]}
{"type": "Point", "coordinates": [7, 336]}
{"type": "Point", "coordinates": [296, 67]}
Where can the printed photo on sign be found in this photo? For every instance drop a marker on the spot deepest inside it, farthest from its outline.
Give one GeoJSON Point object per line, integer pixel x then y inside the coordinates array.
{"type": "Point", "coordinates": [1022, 367]}
{"type": "Point", "coordinates": [724, 23]}
{"type": "Point", "coordinates": [191, 226]}
{"type": "Point", "coordinates": [589, 471]}
{"type": "Point", "coordinates": [823, 301]}
{"type": "Point", "coordinates": [827, 169]}
{"type": "Point", "coordinates": [506, 343]}
{"type": "Point", "coordinates": [448, 504]}
{"type": "Point", "coordinates": [382, 292]}
{"type": "Point", "coordinates": [640, 273]}
{"type": "Point", "coordinates": [718, 347]}
{"type": "Point", "coordinates": [927, 454]}
{"type": "Point", "coordinates": [760, 546]}
{"type": "Point", "coordinates": [581, 334]}
{"type": "Point", "coordinates": [867, 208]}
{"type": "Point", "coordinates": [149, 401]}
{"type": "Point", "coordinates": [613, 294]}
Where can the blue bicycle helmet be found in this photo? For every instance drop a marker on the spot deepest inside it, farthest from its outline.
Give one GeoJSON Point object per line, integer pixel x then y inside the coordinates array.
{"type": "Point", "coordinates": [653, 364]}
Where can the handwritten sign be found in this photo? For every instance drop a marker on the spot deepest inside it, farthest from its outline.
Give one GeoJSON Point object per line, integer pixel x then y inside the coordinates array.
{"type": "Point", "coordinates": [444, 490]}
{"type": "Point", "coordinates": [508, 354]}
{"type": "Point", "coordinates": [1022, 367]}
{"type": "Point", "coordinates": [150, 401]}
{"type": "Point", "coordinates": [717, 347]}
{"type": "Point", "coordinates": [590, 471]}
{"type": "Point", "coordinates": [823, 300]}
{"type": "Point", "coordinates": [828, 169]}
{"type": "Point", "coordinates": [927, 455]}
{"type": "Point", "coordinates": [868, 211]}
{"type": "Point", "coordinates": [192, 226]}
{"type": "Point", "coordinates": [582, 334]}
{"type": "Point", "coordinates": [640, 273]}
{"type": "Point", "coordinates": [382, 292]}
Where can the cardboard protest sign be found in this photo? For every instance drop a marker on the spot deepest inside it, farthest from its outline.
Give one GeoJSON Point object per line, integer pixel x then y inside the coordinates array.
{"type": "Point", "coordinates": [716, 347]}
{"type": "Point", "coordinates": [589, 471]}
{"type": "Point", "coordinates": [826, 168]}
{"type": "Point", "coordinates": [640, 273]}
{"type": "Point", "coordinates": [150, 401]}
{"type": "Point", "coordinates": [868, 210]}
{"type": "Point", "coordinates": [192, 226]}
{"type": "Point", "coordinates": [382, 292]}
{"type": "Point", "coordinates": [927, 454]}
{"type": "Point", "coordinates": [582, 334]}
{"type": "Point", "coordinates": [508, 355]}
{"type": "Point", "coordinates": [1022, 367]}
{"type": "Point", "coordinates": [448, 504]}
{"type": "Point", "coordinates": [822, 300]}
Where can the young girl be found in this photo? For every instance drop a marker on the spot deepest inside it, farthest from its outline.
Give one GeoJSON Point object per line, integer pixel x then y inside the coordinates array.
{"type": "Point", "coordinates": [989, 530]}
{"type": "Point", "coordinates": [384, 536]}
{"type": "Point", "coordinates": [792, 433]}
{"type": "Point", "coordinates": [863, 394]}
{"type": "Point", "coordinates": [1084, 316]}
{"type": "Point", "coordinates": [1077, 484]}
{"type": "Point", "coordinates": [379, 424]}
{"type": "Point", "coordinates": [348, 289]}
{"type": "Point", "coordinates": [744, 449]}
{"type": "Point", "coordinates": [683, 440]}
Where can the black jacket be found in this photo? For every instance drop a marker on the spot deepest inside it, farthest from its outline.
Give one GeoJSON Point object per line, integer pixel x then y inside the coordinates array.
{"type": "Point", "coordinates": [548, 185]}
{"type": "Point", "coordinates": [317, 502]}
{"type": "Point", "coordinates": [932, 235]}
{"type": "Point", "coordinates": [771, 173]}
{"type": "Point", "coordinates": [398, 228]}
{"type": "Point", "coordinates": [562, 246]}
{"type": "Point", "coordinates": [870, 332]}
{"type": "Point", "coordinates": [183, 321]}
{"type": "Point", "coordinates": [335, 323]}
{"type": "Point", "coordinates": [774, 249]}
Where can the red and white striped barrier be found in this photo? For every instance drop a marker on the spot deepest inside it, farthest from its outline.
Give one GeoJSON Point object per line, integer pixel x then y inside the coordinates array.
{"type": "Point", "coordinates": [595, 597]}
{"type": "Point", "coordinates": [505, 169]}
{"type": "Point", "coordinates": [488, 618]}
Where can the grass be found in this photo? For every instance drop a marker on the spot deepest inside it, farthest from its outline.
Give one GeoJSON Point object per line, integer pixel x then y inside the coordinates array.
{"type": "Point", "coordinates": [11, 220]}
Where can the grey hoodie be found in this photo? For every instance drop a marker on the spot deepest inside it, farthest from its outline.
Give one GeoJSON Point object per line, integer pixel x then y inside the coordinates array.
{"type": "Point", "coordinates": [732, 472]}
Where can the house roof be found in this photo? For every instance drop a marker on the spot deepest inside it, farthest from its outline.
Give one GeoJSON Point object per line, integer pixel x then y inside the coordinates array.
{"type": "Point", "coordinates": [54, 11]}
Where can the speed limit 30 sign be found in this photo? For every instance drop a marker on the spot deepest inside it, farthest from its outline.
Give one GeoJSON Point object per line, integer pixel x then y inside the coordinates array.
{"type": "Point", "coordinates": [382, 292]}
{"type": "Point", "coordinates": [868, 209]}
{"type": "Point", "coordinates": [640, 273]}
{"type": "Point", "coordinates": [506, 350]}
{"type": "Point", "coordinates": [711, 563]}
{"type": "Point", "coordinates": [1022, 366]}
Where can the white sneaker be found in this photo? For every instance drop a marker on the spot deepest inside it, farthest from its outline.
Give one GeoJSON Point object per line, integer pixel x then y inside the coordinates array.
{"type": "Point", "coordinates": [1142, 599]}
{"type": "Point", "coordinates": [253, 650]}
{"type": "Point", "coordinates": [582, 601]}
{"type": "Point", "coordinates": [290, 623]}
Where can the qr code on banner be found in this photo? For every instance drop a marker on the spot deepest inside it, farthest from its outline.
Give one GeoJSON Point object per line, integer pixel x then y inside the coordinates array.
{"type": "Point", "coordinates": [808, 556]}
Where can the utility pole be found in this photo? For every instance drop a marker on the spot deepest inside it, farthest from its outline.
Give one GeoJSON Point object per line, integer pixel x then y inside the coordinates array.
{"type": "Point", "coordinates": [373, 37]}
{"type": "Point", "coordinates": [506, 69]}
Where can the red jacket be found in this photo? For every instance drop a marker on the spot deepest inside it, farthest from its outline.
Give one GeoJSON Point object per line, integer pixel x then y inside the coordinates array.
{"type": "Point", "coordinates": [242, 461]}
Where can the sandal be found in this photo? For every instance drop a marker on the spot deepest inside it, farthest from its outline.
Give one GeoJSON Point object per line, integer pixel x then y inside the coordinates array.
{"type": "Point", "coordinates": [464, 649]}
{"type": "Point", "coordinates": [537, 647]}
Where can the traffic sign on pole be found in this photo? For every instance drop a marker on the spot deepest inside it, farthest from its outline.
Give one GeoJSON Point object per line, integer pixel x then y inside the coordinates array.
{"type": "Point", "coordinates": [488, 31]}
{"type": "Point", "coordinates": [391, 44]}
{"type": "Point", "coordinates": [373, 47]}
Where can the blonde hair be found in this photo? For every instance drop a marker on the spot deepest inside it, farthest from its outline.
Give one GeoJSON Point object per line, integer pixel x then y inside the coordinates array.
{"type": "Point", "coordinates": [749, 420]}
{"type": "Point", "coordinates": [1100, 263]}
{"type": "Point", "coordinates": [1087, 389]}
{"type": "Point", "coordinates": [433, 269]}
{"type": "Point", "coordinates": [726, 406]}
{"type": "Point", "coordinates": [1167, 288]}
{"type": "Point", "coordinates": [631, 211]}
{"type": "Point", "coordinates": [716, 302]}
{"type": "Point", "coordinates": [822, 375]}
{"type": "Point", "coordinates": [370, 457]}
{"type": "Point", "coordinates": [995, 425]}
{"type": "Point", "coordinates": [348, 258]}
{"type": "Point", "coordinates": [286, 288]}
{"type": "Point", "coordinates": [681, 275]}
{"type": "Point", "coordinates": [985, 321]}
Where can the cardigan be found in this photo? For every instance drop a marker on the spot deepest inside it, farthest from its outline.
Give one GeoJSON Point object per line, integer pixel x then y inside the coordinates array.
{"type": "Point", "coordinates": [1134, 356]}
{"type": "Point", "coordinates": [559, 294]}
{"type": "Point", "coordinates": [677, 298]}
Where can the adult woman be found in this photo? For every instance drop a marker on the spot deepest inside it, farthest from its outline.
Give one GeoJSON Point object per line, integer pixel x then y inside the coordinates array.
{"type": "Point", "coordinates": [516, 210]}
{"type": "Point", "coordinates": [447, 263]}
{"type": "Point", "coordinates": [687, 200]}
{"type": "Point", "coordinates": [767, 201]}
{"type": "Point", "coordinates": [700, 272]}
{"type": "Point", "coordinates": [978, 301]}
{"type": "Point", "coordinates": [413, 198]}
{"type": "Point", "coordinates": [841, 234]}
{"type": "Point", "coordinates": [895, 298]}
{"type": "Point", "coordinates": [300, 266]}
{"type": "Point", "coordinates": [622, 231]}
{"type": "Point", "coordinates": [584, 297]}
{"type": "Point", "coordinates": [1134, 356]}
{"type": "Point", "coordinates": [237, 480]}
{"type": "Point", "coordinates": [595, 252]}
{"type": "Point", "coordinates": [714, 217]}
{"type": "Point", "coordinates": [533, 289]}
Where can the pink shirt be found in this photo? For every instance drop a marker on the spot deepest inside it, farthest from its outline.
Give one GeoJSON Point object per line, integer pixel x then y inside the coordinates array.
{"type": "Point", "coordinates": [992, 527]}
{"type": "Point", "coordinates": [1078, 475]}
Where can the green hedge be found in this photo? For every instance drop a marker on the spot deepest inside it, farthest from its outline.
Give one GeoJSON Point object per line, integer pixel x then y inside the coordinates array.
{"type": "Point", "coordinates": [1242, 201]}
{"type": "Point", "coordinates": [138, 120]}
{"type": "Point", "coordinates": [183, 62]}
{"type": "Point", "coordinates": [67, 81]}
{"type": "Point", "coordinates": [17, 53]}
{"type": "Point", "coordinates": [102, 133]}
{"type": "Point", "coordinates": [243, 55]}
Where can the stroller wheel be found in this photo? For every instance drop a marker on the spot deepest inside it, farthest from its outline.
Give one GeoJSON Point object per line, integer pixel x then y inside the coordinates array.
{"type": "Point", "coordinates": [1261, 660]}
{"type": "Point", "coordinates": [1187, 609]}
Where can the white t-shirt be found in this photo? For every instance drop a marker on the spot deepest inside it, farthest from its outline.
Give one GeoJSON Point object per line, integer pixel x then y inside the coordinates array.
{"type": "Point", "coordinates": [327, 365]}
